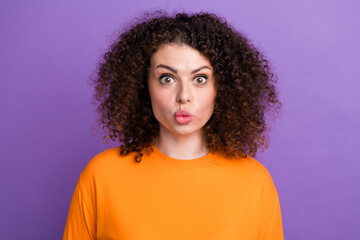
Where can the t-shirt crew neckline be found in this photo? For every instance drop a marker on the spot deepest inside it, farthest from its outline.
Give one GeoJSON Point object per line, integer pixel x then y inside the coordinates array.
{"type": "Point", "coordinates": [181, 163]}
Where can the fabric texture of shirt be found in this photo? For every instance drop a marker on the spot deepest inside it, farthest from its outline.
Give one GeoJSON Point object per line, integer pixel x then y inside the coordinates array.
{"type": "Point", "coordinates": [212, 197]}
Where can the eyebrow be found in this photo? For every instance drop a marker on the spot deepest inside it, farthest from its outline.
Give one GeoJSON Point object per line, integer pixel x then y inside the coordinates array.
{"type": "Point", "coordinates": [173, 70]}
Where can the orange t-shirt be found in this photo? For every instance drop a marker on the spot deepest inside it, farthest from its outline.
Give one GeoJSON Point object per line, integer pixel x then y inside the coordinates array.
{"type": "Point", "coordinates": [212, 197]}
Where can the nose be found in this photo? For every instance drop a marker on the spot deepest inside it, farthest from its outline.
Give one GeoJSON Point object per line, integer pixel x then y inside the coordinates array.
{"type": "Point", "coordinates": [183, 94]}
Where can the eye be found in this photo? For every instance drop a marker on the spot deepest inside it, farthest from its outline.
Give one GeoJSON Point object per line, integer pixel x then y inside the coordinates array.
{"type": "Point", "coordinates": [166, 79]}
{"type": "Point", "coordinates": [200, 79]}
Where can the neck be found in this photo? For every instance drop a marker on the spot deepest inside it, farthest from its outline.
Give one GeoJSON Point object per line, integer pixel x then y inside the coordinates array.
{"type": "Point", "coordinates": [182, 147]}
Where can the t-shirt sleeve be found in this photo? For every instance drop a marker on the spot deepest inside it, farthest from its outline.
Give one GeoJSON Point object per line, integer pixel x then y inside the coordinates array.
{"type": "Point", "coordinates": [80, 222]}
{"type": "Point", "coordinates": [271, 222]}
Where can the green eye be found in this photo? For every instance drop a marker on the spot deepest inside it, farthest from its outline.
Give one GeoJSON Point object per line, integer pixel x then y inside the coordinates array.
{"type": "Point", "coordinates": [166, 79]}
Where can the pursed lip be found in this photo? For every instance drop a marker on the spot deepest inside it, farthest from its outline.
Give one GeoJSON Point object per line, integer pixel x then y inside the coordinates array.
{"type": "Point", "coordinates": [182, 113]}
{"type": "Point", "coordinates": [182, 117]}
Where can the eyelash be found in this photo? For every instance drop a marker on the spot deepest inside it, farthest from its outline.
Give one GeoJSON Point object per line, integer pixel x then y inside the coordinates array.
{"type": "Point", "coordinates": [170, 76]}
{"type": "Point", "coordinates": [164, 76]}
{"type": "Point", "coordinates": [201, 76]}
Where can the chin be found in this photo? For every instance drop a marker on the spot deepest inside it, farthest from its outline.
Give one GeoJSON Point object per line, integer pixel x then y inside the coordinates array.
{"type": "Point", "coordinates": [185, 130]}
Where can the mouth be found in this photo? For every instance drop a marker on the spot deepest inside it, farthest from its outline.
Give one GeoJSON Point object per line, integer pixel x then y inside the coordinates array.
{"type": "Point", "coordinates": [183, 117]}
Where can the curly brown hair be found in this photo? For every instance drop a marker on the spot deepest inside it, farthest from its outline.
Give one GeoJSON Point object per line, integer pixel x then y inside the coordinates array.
{"type": "Point", "coordinates": [244, 80]}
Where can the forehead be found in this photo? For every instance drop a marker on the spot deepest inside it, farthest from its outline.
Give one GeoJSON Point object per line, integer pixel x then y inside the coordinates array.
{"type": "Point", "coordinates": [180, 55]}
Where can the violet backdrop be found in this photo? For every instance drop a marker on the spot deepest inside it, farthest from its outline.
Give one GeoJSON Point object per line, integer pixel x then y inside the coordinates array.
{"type": "Point", "coordinates": [49, 49]}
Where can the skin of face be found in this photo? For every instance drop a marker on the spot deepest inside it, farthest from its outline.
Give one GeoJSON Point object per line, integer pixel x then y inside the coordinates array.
{"type": "Point", "coordinates": [180, 78]}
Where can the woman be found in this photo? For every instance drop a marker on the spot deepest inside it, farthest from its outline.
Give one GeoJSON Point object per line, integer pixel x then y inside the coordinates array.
{"type": "Point", "coordinates": [186, 96]}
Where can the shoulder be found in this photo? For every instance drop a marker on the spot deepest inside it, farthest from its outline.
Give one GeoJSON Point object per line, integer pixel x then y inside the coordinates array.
{"type": "Point", "coordinates": [260, 172]}
{"type": "Point", "coordinates": [263, 176]}
{"type": "Point", "coordinates": [248, 169]}
{"type": "Point", "coordinates": [247, 164]}
{"type": "Point", "coordinates": [257, 168]}
{"type": "Point", "coordinates": [106, 162]}
{"type": "Point", "coordinates": [256, 175]}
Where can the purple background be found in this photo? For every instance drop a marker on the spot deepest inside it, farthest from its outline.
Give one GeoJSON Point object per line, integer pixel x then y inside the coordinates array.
{"type": "Point", "coordinates": [47, 126]}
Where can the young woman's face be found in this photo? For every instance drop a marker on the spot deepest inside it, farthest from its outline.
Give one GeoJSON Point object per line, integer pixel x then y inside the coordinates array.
{"type": "Point", "coordinates": [182, 89]}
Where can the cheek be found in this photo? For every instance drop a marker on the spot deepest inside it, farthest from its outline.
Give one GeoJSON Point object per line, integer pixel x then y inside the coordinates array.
{"type": "Point", "coordinates": [208, 100]}
{"type": "Point", "coordinates": [159, 102]}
